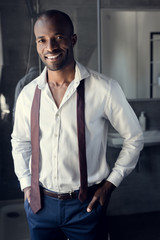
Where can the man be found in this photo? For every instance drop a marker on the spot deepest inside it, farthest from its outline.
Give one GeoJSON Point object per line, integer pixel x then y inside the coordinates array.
{"type": "Point", "coordinates": [72, 106]}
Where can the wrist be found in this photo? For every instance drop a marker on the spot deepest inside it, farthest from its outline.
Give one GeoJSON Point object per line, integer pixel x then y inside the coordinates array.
{"type": "Point", "coordinates": [109, 186]}
{"type": "Point", "coordinates": [26, 189]}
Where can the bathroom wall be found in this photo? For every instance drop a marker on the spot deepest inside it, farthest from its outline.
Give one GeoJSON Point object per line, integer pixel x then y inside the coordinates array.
{"type": "Point", "coordinates": [126, 50]}
{"type": "Point", "coordinates": [119, 44]}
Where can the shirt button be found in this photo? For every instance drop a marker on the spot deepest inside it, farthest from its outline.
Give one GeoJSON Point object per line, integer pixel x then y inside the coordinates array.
{"type": "Point", "coordinates": [57, 116]}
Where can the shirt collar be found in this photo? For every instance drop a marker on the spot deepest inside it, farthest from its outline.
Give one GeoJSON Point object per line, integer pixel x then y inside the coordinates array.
{"type": "Point", "coordinates": [81, 73]}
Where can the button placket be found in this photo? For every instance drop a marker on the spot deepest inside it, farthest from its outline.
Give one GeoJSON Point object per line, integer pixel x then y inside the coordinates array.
{"type": "Point", "coordinates": [56, 146]}
{"type": "Point", "coordinates": [69, 92]}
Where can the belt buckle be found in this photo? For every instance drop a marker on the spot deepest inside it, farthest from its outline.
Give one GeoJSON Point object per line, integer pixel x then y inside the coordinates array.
{"type": "Point", "coordinates": [59, 196]}
{"type": "Point", "coordinates": [66, 196]}
{"type": "Point", "coordinates": [71, 194]}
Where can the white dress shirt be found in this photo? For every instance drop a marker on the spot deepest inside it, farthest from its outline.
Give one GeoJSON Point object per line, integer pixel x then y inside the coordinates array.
{"type": "Point", "coordinates": [59, 163]}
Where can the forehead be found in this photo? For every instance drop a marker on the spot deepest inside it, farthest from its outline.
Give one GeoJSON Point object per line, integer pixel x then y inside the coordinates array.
{"type": "Point", "coordinates": [57, 24]}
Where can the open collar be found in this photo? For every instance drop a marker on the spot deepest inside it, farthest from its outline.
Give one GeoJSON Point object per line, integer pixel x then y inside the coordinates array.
{"type": "Point", "coordinates": [81, 73]}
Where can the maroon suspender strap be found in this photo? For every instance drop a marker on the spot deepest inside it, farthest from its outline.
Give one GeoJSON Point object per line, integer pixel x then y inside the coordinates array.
{"type": "Point", "coordinates": [35, 200]}
{"type": "Point", "coordinates": [82, 141]}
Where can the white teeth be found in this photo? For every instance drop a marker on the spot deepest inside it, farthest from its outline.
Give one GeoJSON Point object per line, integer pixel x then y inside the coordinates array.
{"type": "Point", "coordinates": [52, 57]}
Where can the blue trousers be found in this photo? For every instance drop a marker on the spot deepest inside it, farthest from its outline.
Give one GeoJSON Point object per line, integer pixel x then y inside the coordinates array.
{"type": "Point", "coordinates": [66, 219]}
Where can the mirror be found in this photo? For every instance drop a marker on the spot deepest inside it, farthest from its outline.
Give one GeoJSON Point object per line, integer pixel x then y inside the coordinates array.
{"type": "Point", "coordinates": [129, 55]}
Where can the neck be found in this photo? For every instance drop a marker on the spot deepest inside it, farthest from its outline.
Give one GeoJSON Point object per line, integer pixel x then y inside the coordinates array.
{"type": "Point", "coordinates": [59, 77]}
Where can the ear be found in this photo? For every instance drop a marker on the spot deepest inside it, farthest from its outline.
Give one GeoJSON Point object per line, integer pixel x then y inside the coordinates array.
{"type": "Point", "coordinates": [74, 39]}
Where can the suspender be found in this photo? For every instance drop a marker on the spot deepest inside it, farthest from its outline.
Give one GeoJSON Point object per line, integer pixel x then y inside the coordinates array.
{"type": "Point", "coordinates": [35, 201]}
{"type": "Point", "coordinates": [81, 140]}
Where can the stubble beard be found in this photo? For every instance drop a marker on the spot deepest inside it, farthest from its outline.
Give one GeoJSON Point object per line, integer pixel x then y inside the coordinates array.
{"type": "Point", "coordinates": [58, 66]}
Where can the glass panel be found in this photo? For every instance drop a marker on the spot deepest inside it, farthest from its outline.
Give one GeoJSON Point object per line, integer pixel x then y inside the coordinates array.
{"type": "Point", "coordinates": [119, 50]}
{"type": "Point", "coordinates": [156, 65]}
{"type": "Point", "coordinates": [126, 49]}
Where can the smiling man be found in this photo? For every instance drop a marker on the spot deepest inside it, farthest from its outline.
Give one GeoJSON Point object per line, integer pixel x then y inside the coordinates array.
{"type": "Point", "coordinates": [60, 136]}
{"type": "Point", "coordinates": [55, 46]}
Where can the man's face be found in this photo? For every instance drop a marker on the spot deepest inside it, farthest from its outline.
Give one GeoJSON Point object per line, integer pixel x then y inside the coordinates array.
{"type": "Point", "coordinates": [54, 43]}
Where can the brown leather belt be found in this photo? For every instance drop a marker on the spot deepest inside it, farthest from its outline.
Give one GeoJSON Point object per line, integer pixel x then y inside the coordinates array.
{"type": "Point", "coordinates": [70, 195]}
{"type": "Point", "coordinates": [61, 196]}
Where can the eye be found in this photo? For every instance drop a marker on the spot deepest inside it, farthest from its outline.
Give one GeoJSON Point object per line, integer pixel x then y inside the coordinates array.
{"type": "Point", "coordinates": [41, 41]}
{"type": "Point", "coordinates": [60, 37]}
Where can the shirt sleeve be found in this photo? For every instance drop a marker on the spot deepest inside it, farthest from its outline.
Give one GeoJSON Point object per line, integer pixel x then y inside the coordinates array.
{"type": "Point", "coordinates": [21, 142]}
{"type": "Point", "coordinates": [124, 120]}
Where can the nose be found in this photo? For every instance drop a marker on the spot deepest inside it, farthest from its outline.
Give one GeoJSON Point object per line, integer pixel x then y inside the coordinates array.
{"type": "Point", "coordinates": [51, 45]}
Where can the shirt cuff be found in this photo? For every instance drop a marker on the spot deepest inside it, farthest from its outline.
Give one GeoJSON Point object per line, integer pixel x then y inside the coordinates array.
{"type": "Point", "coordinates": [25, 182]}
{"type": "Point", "coordinates": [115, 178]}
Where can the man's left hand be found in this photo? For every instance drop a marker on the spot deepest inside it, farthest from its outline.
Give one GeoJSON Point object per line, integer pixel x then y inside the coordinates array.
{"type": "Point", "coordinates": [102, 195]}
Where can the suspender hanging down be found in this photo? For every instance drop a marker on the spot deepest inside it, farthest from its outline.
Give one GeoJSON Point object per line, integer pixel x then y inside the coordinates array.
{"type": "Point", "coordinates": [35, 201]}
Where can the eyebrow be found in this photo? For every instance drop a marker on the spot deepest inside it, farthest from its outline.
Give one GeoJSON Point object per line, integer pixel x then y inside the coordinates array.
{"type": "Point", "coordinates": [39, 37]}
{"type": "Point", "coordinates": [59, 33]}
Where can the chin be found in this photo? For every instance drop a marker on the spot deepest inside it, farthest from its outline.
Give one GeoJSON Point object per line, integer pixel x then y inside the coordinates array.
{"type": "Point", "coordinates": [57, 67]}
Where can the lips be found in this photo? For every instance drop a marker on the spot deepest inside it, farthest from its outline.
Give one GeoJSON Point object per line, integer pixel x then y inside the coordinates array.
{"type": "Point", "coordinates": [52, 57]}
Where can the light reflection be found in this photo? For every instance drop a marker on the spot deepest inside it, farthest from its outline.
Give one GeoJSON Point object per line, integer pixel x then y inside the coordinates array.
{"type": "Point", "coordinates": [4, 107]}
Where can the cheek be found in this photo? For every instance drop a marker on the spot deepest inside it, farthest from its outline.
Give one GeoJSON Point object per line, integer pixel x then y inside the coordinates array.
{"type": "Point", "coordinates": [40, 50]}
{"type": "Point", "coordinates": [67, 48]}
{"type": "Point", "coordinates": [65, 45]}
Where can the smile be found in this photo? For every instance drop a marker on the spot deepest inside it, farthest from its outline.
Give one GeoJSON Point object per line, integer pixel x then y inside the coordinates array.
{"type": "Point", "coordinates": [52, 57]}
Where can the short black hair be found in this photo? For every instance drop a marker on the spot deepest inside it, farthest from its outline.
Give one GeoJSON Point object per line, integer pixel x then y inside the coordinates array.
{"type": "Point", "coordinates": [52, 13]}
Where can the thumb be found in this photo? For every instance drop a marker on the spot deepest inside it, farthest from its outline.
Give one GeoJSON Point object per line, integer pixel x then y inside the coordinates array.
{"type": "Point", "coordinates": [92, 204]}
